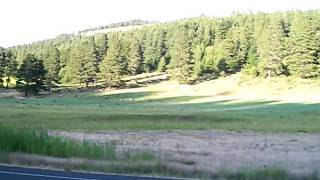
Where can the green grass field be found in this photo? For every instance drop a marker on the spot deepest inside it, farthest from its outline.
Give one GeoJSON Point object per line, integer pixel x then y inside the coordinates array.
{"type": "Point", "coordinates": [142, 111]}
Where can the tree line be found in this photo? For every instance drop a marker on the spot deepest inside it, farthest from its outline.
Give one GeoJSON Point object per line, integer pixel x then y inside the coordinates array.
{"type": "Point", "coordinates": [262, 44]}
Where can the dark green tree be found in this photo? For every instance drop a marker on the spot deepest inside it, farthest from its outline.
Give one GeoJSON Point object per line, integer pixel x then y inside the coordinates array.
{"type": "Point", "coordinates": [101, 43]}
{"type": "Point", "coordinates": [113, 66]}
{"type": "Point", "coordinates": [83, 63]}
{"type": "Point", "coordinates": [135, 65]}
{"type": "Point", "coordinates": [31, 75]}
{"type": "Point", "coordinates": [3, 57]}
{"type": "Point", "coordinates": [181, 63]}
{"type": "Point", "coordinates": [52, 66]}
{"type": "Point", "coordinates": [251, 66]}
{"type": "Point", "coordinates": [2, 64]}
{"type": "Point", "coordinates": [301, 59]}
{"type": "Point", "coordinates": [272, 50]}
{"type": "Point", "coordinates": [224, 56]}
{"type": "Point", "coordinates": [155, 48]}
{"type": "Point", "coordinates": [199, 53]}
{"type": "Point", "coordinates": [10, 68]}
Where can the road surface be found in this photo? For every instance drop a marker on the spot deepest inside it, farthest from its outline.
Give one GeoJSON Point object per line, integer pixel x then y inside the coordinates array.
{"type": "Point", "coordinates": [23, 173]}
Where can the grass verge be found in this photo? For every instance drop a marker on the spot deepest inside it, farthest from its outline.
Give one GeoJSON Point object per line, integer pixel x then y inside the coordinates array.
{"type": "Point", "coordinates": [30, 141]}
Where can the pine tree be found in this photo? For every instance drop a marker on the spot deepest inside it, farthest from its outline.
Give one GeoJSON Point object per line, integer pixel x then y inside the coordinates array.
{"type": "Point", "coordinates": [10, 67]}
{"type": "Point", "coordinates": [155, 48]}
{"type": "Point", "coordinates": [245, 39]}
{"type": "Point", "coordinates": [66, 70]}
{"type": "Point", "coordinates": [199, 53]}
{"type": "Point", "coordinates": [251, 67]}
{"type": "Point", "coordinates": [161, 46]}
{"type": "Point", "coordinates": [31, 75]}
{"type": "Point", "coordinates": [162, 65]}
{"type": "Point", "coordinates": [52, 66]}
{"type": "Point", "coordinates": [301, 57]}
{"type": "Point", "coordinates": [149, 52]}
{"type": "Point", "coordinates": [101, 42]}
{"type": "Point", "coordinates": [271, 55]}
{"type": "Point", "coordinates": [181, 63]}
{"type": "Point", "coordinates": [212, 60]}
{"type": "Point", "coordinates": [113, 66]}
{"type": "Point", "coordinates": [135, 65]}
{"type": "Point", "coordinates": [2, 62]}
{"type": "Point", "coordinates": [209, 36]}
{"type": "Point", "coordinates": [83, 66]}
{"type": "Point", "coordinates": [94, 56]}
{"type": "Point", "coordinates": [227, 51]}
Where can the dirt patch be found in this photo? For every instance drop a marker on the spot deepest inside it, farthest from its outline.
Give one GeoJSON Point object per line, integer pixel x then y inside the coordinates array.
{"type": "Point", "coordinates": [213, 151]}
{"type": "Point", "coordinates": [9, 93]}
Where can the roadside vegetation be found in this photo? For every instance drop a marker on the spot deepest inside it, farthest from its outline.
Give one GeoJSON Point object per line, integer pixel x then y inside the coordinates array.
{"type": "Point", "coordinates": [40, 142]}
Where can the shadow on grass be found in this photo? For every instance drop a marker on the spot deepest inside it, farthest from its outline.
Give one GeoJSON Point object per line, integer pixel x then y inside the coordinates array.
{"type": "Point", "coordinates": [150, 99]}
{"type": "Point", "coordinates": [137, 111]}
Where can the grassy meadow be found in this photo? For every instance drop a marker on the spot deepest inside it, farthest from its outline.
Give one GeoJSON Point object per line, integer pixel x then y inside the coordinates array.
{"type": "Point", "coordinates": [158, 108]}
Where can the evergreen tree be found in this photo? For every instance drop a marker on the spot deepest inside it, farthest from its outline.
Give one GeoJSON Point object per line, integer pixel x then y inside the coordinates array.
{"type": "Point", "coordinates": [83, 66]}
{"type": "Point", "coordinates": [251, 67]}
{"type": "Point", "coordinates": [149, 52]}
{"type": "Point", "coordinates": [31, 75]}
{"type": "Point", "coordinates": [245, 39]}
{"type": "Point", "coordinates": [101, 42]}
{"type": "Point", "coordinates": [113, 65]}
{"type": "Point", "coordinates": [52, 66]}
{"type": "Point", "coordinates": [135, 65]}
{"type": "Point", "coordinates": [94, 56]}
{"type": "Point", "coordinates": [161, 46]}
{"type": "Point", "coordinates": [10, 67]}
{"type": "Point", "coordinates": [181, 63]}
{"type": "Point", "coordinates": [162, 64]}
{"type": "Point", "coordinates": [271, 55]}
{"type": "Point", "coordinates": [199, 53]}
{"type": "Point", "coordinates": [212, 60]}
{"type": "Point", "coordinates": [65, 73]}
{"type": "Point", "coordinates": [155, 48]}
{"type": "Point", "coordinates": [227, 54]}
{"type": "Point", "coordinates": [301, 59]}
{"type": "Point", "coordinates": [2, 62]}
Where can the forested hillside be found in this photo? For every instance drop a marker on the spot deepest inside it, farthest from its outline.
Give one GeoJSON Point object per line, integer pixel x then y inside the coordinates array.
{"type": "Point", "coordinates": [259, 44]}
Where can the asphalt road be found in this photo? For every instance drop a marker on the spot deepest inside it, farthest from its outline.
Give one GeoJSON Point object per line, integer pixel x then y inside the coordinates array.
{"type": "Point", "coordinates": [22, 173]}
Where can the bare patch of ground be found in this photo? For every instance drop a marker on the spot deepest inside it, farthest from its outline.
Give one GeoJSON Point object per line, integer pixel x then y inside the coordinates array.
{"type": "Point", "coordinates": [9, 93]}
{"type": "Point", "coordinates": [212, 151]}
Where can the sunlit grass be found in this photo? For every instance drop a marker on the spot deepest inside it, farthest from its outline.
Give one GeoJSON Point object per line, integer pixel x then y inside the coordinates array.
{"type": "Point", "coordinates": [229, 103]}
{"type": "Point", "coordinates": [130, 111]}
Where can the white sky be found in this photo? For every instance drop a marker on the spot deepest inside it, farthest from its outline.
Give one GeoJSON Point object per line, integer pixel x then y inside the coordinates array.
{"type": "Point", "coordinates": [25, 21]}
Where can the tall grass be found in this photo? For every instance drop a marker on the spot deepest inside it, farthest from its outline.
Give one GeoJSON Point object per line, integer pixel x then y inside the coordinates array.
{"type": "Point", "coordinates": [22, 140]}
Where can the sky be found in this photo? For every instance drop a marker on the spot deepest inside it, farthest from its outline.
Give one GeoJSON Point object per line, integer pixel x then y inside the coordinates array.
{"type": "Point", "coordinates": [25, 21]}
